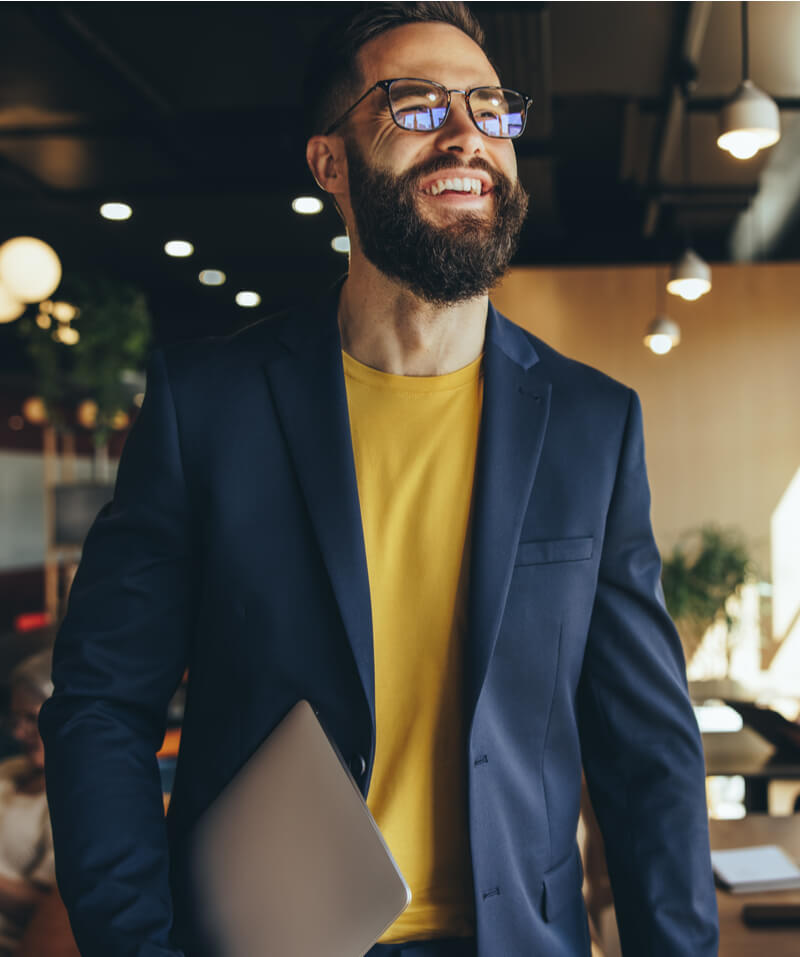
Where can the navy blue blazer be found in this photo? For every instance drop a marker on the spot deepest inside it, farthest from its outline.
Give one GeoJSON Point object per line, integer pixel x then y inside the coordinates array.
{"type": "Point", "coordinates": [233, 546]}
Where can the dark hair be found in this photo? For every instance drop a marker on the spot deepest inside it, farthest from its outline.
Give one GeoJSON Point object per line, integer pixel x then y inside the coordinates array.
{"type": "Point", "coordinates": [333, 79]}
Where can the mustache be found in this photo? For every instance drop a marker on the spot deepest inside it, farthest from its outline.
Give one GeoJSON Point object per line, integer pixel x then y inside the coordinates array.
{"type": "Point", "coordinates": [439, 163]}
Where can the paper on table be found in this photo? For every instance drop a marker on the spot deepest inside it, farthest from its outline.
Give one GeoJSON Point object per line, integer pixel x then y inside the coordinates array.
{"type": "Point", "coordinates": [750, 869]}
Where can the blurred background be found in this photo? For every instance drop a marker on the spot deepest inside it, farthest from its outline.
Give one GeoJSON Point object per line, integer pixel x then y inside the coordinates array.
{"type": "Point", "coordinates": [156, 153]}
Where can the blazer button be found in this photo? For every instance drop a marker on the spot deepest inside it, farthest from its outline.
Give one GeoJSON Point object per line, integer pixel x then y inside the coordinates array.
{"type": "Point", "coordinates": [357, 766]}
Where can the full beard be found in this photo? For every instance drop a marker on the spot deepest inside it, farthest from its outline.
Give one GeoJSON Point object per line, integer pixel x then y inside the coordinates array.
{"type": "Point", "coordinates": [442, 265]}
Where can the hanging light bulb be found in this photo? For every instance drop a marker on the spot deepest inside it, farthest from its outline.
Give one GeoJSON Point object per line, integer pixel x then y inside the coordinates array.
{"type": "Point", "coordinates": [690, 277]}
{"type": "Point", "coordinates": [662, 335]}
{"type": "Point", "coordinates": [10, 307]}
{"type": "Point", "coordinates": [29, 268]}
{"type": "Point", "coordinates": [749, 121]}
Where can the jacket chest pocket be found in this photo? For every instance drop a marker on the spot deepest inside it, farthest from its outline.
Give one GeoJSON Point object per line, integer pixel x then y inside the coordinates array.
{"type": "Point", "coordinates": [555, 551]}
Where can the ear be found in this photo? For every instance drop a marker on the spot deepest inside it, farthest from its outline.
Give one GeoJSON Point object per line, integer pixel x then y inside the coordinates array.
{"type": "Point", "coordinates": [326, 159]}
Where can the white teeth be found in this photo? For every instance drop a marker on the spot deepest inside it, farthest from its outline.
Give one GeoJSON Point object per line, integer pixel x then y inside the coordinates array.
{"type": "Point", "coordinates": [457, 184]}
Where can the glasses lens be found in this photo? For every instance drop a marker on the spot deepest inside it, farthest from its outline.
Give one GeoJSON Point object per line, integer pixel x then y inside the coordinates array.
{"type": "Point", "coordinates": [498, 112]}
{"type": "Point", "coordinates": [418, 105]}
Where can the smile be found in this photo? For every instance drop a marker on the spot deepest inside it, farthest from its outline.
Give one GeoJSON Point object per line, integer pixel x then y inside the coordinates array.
{"type": "Point", "coordinates": [457, 184]}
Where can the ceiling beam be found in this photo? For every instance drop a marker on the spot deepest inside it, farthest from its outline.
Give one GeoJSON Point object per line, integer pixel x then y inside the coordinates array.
{"type": "Point", "coordinates": [74, 34]}
{"type": "Point", "coordinates": [689, 55]}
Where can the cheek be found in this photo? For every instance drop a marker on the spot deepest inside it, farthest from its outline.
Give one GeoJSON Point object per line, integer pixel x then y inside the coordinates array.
{"type": "Point", "coordinates": [506, 161]}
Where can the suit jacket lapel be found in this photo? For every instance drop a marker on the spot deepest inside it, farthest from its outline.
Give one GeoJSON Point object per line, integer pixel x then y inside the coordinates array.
{"type": "Point", "coordinates": [307, 385]}
{"type": "Point", "coordinates": [515, 410]}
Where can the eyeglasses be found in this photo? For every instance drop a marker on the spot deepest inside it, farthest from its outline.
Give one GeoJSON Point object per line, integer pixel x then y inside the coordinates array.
{"type": "Point", "coordinates": [421, 106]}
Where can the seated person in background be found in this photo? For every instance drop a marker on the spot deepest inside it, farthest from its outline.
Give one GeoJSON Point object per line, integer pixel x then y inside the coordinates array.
{"type": "Point", "coordinates": [27, 868]}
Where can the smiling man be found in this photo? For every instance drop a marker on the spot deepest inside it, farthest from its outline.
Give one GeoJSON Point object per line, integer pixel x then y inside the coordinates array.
{"type": "Point", "coordinates": [405, 509]}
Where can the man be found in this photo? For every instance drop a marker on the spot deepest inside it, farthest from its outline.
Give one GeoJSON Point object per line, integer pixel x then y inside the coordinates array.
{"type": "Point", "coordinates": [410, 512]}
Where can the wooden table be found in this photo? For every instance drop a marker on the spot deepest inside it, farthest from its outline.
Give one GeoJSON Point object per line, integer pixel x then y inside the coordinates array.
{"type": "Point", "coordinates": [736, 939]}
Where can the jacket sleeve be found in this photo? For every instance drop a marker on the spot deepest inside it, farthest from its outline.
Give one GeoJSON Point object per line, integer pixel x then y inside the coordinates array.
{"type": "Point", "coordinates": [119, 656]}
{"type": "Point", "coordinates": [641, 746]}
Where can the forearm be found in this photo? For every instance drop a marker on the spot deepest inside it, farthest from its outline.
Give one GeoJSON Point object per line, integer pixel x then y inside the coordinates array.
{"type": "Point", "coordinates": [118, 658]}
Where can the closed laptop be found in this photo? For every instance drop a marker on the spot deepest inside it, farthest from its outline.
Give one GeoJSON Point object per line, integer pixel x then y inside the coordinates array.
{"type": "Point", "coordinates": [288, 861]}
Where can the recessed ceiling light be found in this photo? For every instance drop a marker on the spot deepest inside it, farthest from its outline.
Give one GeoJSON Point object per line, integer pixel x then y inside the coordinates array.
{"type": "Point", "coordinates": [212, 277]}
{"type": "Point", "coordinates": [179, 248]}
{"type": "Point", "coordinates": [118, 211]}
{"type": "Point", "coordinates": [308, 205]}
{"type": "Point", "coordinates": [247, 298]}
{"type": "Point", "coordinates": [341, 244]}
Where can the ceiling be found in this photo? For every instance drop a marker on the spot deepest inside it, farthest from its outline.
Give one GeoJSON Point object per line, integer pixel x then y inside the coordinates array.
{"type": "Point", "coordinates": [190, 113]}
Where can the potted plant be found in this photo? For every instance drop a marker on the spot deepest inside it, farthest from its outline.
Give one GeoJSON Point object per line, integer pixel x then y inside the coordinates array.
{"type": "Point", "coordinates": [701, 573]}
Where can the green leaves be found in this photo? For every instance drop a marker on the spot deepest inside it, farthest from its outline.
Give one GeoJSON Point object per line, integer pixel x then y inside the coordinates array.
{"type": "Point", "coordinates": [114, 327]}
{"type": "Point", "coordinates": [699, 577]}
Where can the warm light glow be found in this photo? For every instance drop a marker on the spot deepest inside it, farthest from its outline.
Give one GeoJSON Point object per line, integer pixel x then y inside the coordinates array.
{"type": "Point", "coordinates": [212, 277]}
{"type": "Point", "coordinates": [34, 410]}
{"type": "Point", "coordinates": [43, 321]}
{"type": "Point", "coordinates": [30, 270]}
{"type": "Point", "coordinates": [689, 289]}
{"type": "Point", "coordinates": [10, 308]}
{"type": "Point", "coordinates": [116, 211]}
{"type": "Point", "coordinates": [67, 335]}
{"type": "Point", "coordinates": [63, 311]}
{"type": "Point", "coordinates": [660, 344]}
{"type": "Point", "coordinates": [121, 420]}
{"type": "Point", "coordinates": [307, 205]}
{"type": "Point", "coordinates": [662, 335]}
{"type": "Point", "coordinates": [341, 244]}
{"type": "Point", "coordinates": [179, 248]}
{"type": "Point", "coordinates": [247, 298]}
{"type": "Point", "coordinates": [749, 122]}
{"type": "Point", "coordinates": [138, 399]}
{"type": "Point", "coordinates": [739, 143]}
{"type": "Point", "coordinates": [86, 413]}
{"type": "Point", "coordinates": [717, 718]}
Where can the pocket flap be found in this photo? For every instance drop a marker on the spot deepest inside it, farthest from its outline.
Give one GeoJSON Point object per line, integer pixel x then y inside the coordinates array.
{"type": "Point", "coordinates": [555, 550]}
{"type": "Point", "coordinates": [561, 885]}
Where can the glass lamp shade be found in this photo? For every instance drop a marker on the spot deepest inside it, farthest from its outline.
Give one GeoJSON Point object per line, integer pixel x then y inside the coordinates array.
{"type": "Point", "coordinates": [690, 277]}
{"type": "Point", "coordinates": [662, 335]}
{"type": "Point", "coordinates": [749, 122]}
{"type": "Point", "coordinates": [10, 308]}
{"type": "Point", "coordinates": [29, 268]}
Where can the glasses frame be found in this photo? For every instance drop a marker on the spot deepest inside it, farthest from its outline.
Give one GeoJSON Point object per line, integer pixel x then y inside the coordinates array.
{"type": "Point", "coordinates": [385, 85]}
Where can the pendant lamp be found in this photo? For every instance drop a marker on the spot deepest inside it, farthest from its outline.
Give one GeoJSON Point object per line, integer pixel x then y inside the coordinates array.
{"type": "Point", "coordinates": [10, 307]}
{"type": "Point", "coordinates": [749, 121]}
{"type": "Point", "coordinates": [690, 277]}
{"type": "Point", "coordinates": [29, 268]}
{"type": "Point", "coordinates": [662, 335]}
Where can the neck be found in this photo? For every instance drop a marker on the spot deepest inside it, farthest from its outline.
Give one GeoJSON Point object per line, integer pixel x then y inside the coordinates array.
{"type": "Point", "coordinates": [385, 326]}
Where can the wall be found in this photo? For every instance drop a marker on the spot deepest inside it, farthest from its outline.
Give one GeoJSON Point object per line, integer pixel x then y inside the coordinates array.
{"type": "Point", "coordinates": [721, 411]}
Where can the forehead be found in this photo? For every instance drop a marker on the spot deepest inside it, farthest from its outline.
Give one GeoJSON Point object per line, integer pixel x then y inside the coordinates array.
{"type": "Point", "coordinates": [432, 51]}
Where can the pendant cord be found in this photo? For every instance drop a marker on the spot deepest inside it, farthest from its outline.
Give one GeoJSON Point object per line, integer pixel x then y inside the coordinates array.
{"type": "Point", "coordinates": [745, 43]}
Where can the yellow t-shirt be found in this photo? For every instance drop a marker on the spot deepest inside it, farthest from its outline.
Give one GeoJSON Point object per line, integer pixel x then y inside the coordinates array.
{"type": "Point", "coordinates": [415, 442]}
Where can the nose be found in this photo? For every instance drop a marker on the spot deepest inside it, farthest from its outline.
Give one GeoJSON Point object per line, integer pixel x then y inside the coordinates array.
{"type": "Point", "coordinates": [459, 134]}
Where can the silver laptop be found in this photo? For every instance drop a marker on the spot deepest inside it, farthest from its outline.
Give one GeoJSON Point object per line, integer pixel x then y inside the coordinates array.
{"type": "Point", "coordinates": [288, 861]}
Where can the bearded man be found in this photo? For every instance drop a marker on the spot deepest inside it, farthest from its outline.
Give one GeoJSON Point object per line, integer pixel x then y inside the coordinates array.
{"type": "Point", "coordinates": [410, 512]}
